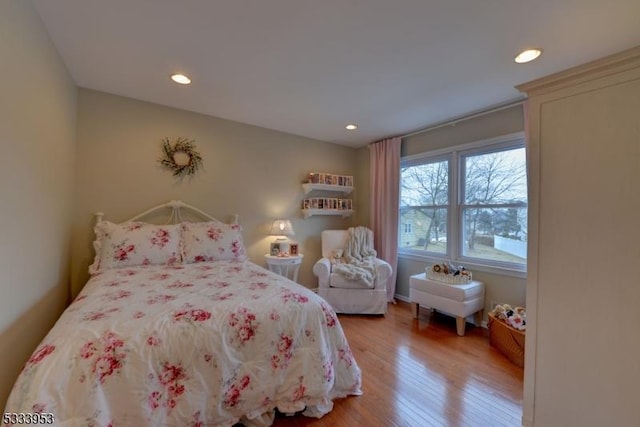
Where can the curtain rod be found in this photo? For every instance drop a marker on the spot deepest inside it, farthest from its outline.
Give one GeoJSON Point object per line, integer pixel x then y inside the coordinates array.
{"type": "Point", "coordinates": [468, 116]}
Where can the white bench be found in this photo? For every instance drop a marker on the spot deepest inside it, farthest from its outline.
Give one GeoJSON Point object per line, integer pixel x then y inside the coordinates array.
{"type": "Point", "coordinates": [458, 300]}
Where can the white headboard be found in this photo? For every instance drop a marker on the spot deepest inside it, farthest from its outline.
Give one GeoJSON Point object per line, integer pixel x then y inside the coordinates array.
{"type": "Point", "coordinates": [176, 206]}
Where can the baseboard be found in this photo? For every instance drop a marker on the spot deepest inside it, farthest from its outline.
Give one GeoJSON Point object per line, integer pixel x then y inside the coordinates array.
{"type": "Point", "coordinates": [402, 298]}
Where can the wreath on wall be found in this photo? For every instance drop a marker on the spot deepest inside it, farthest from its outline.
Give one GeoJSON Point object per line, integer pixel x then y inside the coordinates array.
{"type": "Point", "coordinates": [180, 156]}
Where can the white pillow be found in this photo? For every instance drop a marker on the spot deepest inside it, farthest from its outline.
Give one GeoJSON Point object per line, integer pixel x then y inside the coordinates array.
{"type": "Point", "coordinates": [135, 243]}
{"type": "Point", "coordinates": [212, 241]}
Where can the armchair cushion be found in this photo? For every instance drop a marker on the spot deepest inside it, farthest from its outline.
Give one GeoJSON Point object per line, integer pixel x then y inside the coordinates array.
{"type": "Point", "coordinates": [333, 241]}
{"type": "Point", "coordinates": [337, 280]}
{"type": "Point", "coordinates": [323, 269]}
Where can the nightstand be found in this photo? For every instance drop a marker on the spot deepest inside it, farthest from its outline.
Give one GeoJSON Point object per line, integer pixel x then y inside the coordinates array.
{"type": "Point", "coordinates": [285, 266]}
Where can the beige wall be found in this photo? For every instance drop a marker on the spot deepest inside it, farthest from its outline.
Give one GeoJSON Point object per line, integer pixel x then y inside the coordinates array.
{"type": "Point", "coordinates": [501, 122]}
{"type": "Point", "coordinates": [500, 289]}
{"type": "Point", "coordinates": [254, 172]}
{"type": "Point", "coordinates": [37, 133]}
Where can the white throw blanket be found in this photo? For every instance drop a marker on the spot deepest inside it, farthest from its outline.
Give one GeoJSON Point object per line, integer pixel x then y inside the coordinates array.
{"type": "Point", "coordinates": [359, 257]}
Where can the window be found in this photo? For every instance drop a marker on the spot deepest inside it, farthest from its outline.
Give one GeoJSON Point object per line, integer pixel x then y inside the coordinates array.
{"type": "Point", "coordinates": [408, 228]}
{"type": "Point", "coordinates": [467, 204]}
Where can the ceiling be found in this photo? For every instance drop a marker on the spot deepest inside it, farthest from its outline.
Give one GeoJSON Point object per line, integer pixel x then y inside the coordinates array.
{"type": "Point", "coordinates": [310, 67]}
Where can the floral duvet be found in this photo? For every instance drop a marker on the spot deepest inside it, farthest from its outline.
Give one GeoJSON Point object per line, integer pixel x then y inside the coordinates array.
{"type": "Point", "coordinates": [203, 344]}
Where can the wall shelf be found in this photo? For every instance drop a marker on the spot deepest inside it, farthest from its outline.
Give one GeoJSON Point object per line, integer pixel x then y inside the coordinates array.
{"type": "Point", "coordinates": [342, 212]}
{"type": "Point", "coordinates": [321, 204]}
{"type": "Point", "coordinates": [308, 187]}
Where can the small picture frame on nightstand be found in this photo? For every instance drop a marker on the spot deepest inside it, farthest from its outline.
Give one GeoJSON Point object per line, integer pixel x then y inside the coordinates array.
{"type": "Point", "coordinates": [293, 249]}
{"type": "Point", "coordinates": [275, 249]}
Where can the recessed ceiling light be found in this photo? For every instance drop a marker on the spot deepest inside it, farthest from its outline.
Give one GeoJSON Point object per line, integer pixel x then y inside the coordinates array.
{"type": "Point", "coordinates": [528, 55]}
{"type": "Point", "coordinates": [351, 126]}
{"type": "Point", "coordinates": [181, 78]}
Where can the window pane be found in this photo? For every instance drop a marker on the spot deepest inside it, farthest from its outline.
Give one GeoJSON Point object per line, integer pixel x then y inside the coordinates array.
{"type": "Point", "coordinates": [424, 200]}
{"type": "Point", "coordinates": [495, 234]}
{"type": "Point", "coordinates": [425, 185]}
{"type": "Point", "coordinates": [423, 229]}
{"type": "Point", "coordinates": [493, 178]}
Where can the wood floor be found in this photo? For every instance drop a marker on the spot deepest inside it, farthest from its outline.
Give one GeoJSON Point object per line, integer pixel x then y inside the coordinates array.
{"type": "Point", "coordinates": [418, 372]}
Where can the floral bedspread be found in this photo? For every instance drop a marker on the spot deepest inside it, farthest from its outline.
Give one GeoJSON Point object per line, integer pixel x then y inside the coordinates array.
{"type": "Point", "coordinates": [193, 345]}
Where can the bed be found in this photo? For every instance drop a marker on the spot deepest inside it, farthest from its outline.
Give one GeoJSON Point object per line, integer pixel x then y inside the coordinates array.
{"type": "Point", "coordinates": [176, 327]}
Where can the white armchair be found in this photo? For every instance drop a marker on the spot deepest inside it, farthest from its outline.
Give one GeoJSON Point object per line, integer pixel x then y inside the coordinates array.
{"type": "Point", "coordinates": [344, 295]}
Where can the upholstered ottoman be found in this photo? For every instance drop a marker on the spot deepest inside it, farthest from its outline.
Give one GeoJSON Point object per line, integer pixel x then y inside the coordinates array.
{"type": "Point", "coordinates": [459, 300]}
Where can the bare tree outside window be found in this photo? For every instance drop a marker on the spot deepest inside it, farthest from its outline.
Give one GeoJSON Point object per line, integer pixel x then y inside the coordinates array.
{"type": "Point", "coordinates": [495, 198]}
{"type": "Point", "coordinates": [424, 200]}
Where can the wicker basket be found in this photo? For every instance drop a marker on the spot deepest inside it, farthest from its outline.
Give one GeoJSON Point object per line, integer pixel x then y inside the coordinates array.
{"type": "Point", "coordinates": [507, 339]}
{"type": "Point", "coordinates": [447, 278]}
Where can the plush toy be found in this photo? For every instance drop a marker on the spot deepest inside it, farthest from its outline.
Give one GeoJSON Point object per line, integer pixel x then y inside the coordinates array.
{"type": "Point", "coordinates": [514, 317]}
{"type": "Point", "coordinates": [452, 270]}
{"type": "Point", "coordinates": [449, 269]}
{"type": "Point", "coordinates": [336, 256]}
{"type": "Point", "coordinates": [516, 321]}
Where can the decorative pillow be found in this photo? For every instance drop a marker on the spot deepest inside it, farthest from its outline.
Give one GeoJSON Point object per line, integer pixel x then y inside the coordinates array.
{"type": "Point", "coordinates": [211, 241]}
{"type": "Point", "coordinates": [135, 243]}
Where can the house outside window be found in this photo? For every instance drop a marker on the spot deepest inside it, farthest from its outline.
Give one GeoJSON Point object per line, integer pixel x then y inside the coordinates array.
{"type": "Point", "coordinates": [467, 205]}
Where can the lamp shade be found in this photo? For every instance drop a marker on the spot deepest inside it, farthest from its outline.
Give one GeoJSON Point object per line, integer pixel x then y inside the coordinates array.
{"type": "Point", "coordinates": [281, 227]}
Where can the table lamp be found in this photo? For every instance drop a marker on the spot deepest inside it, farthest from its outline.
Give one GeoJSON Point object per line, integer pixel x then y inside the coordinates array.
{"type": "Point", "coordinates": [283, 229]}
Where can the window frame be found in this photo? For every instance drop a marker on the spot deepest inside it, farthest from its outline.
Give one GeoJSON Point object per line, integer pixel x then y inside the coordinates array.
{"type": "Point", "coordinates": [456, 155]}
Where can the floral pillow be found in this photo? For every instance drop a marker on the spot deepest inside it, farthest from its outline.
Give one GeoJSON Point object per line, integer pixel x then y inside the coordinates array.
{"type": "Point", "coordinates": [135, 243]}
{"type": "Point", "coordinates": [212, 241]}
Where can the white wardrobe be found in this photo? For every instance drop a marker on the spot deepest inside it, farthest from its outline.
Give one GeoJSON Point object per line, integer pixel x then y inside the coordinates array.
{"type": "Point", "coordinates": [582, 363]}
